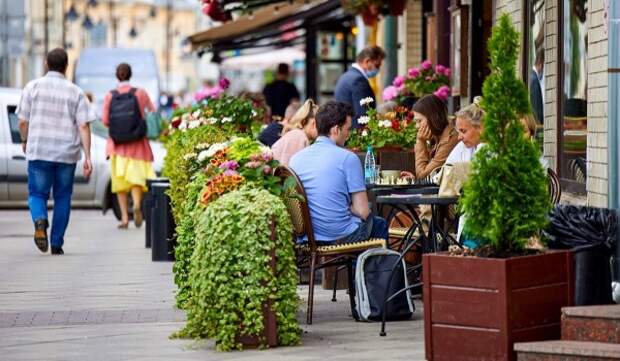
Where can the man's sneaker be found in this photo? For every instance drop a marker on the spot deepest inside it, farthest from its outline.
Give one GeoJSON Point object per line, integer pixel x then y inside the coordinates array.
{"type": "Point", "coordinates": [40, 234]}
{"type": "Point", "coordinates": [57, 250]}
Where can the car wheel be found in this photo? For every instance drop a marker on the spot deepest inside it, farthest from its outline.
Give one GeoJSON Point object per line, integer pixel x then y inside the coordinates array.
{"type": "Point", "coordinates": [116, 208]}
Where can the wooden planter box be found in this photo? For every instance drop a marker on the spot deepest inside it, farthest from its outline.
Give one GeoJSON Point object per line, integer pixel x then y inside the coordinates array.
{"type": "Point", "coordinates": [477, 308]}
{"type": "Point", "coordinates": [270, 321]}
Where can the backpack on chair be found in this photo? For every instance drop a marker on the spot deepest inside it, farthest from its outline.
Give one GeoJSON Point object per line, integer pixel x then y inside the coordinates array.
{"type": "Point", "coordinates": [372, 272]}
{"type": "Point", "coordinates": [126, 123]}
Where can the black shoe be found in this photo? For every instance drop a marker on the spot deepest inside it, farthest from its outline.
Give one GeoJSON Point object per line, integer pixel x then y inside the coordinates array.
{"type": "Point", "coordinates": [40, 234]}
{"type": "Point", "coordinates": [57, 250]}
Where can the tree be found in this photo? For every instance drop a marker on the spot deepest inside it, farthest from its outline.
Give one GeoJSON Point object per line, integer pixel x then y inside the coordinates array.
{"type": "Point", "coordinates": [506, 198]}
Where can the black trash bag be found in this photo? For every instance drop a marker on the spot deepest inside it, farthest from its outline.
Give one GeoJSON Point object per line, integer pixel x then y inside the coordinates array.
{"type": "Point", "coordinates": [591, 234]}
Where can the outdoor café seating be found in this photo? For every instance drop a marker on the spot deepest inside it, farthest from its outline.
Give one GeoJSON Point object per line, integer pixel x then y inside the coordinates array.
{"type": "Point", "coordinates": [311, 254]}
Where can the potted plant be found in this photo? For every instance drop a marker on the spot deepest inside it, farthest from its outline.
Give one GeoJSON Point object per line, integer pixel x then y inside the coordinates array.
{"type": "Point", "coordinates": [476, 306]}
{"type": "Point", "coordinates": [419, 82]}
{"type": "Point", "coordinates": [243, 273]}
{"type": "Point", "coordinates": [371, 9]}
{"type": "Point", "coordinates": [392, 135]}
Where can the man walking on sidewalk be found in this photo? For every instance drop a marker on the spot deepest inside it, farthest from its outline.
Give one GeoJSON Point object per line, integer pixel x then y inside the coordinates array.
{"type": "Point", "coordinates": [53, 124]}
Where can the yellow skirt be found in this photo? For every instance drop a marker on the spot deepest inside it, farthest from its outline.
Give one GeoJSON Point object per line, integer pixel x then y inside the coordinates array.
{"type": "Point", "coordinates": [127, 173]}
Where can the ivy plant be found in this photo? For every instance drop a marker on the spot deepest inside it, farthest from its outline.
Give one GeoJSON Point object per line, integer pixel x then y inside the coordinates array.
{"type": "Point", "coordinates": [506, 199]}
{"type": "Point", "coordinates": [230, 276]}
{"type": "Point", "coordinates": [186, 236]}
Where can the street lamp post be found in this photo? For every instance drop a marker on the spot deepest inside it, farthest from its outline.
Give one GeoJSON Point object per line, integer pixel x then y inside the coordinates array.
{"type": "Point", "coordinates": [46, 30]}
{"type": "Point", "coordinates": [168, 41]}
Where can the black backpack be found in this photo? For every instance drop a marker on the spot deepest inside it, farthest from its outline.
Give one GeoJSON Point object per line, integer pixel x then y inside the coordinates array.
{"type": "Point", "coordinates": [126, 123]}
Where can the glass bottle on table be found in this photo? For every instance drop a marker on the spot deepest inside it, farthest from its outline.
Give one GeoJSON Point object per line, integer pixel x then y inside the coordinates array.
{"type": "Point", "coordinates": [370, 166]}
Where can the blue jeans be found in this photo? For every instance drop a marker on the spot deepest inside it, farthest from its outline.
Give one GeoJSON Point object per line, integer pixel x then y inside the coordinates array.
{"type": "Point", "coordinates": [373, 227]}
{"type": "Point", "coordinates": [44, 176]}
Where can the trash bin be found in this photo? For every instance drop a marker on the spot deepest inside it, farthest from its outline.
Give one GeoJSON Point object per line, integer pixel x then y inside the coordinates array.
{"type": "Point", "coordinates": [162, 228]}
{"type": "Point", "coordinates": [148, 203]}
{"type": "Point", "coordinates": [591, 234]}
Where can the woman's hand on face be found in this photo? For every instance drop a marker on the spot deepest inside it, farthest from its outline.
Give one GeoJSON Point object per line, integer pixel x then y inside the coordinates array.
{"type": "Point", "coordinates": [406, 175]}
{"type": "Point", "coordinates": [424, 133]}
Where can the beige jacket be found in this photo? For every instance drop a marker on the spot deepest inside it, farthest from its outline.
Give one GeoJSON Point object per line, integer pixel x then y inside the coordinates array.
{"type": "Point", "coordinates": [428, 157]}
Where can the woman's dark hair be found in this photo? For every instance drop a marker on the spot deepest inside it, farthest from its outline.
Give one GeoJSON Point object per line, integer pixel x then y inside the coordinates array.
{"type": "Point", "coordinates": [330, 114]}
{"type": "Point", "coordinates": [57, 60]}
{"type": "Point", "coordinates": [123, 72]}
{"type": "Point", "coordinates": [435, 111]}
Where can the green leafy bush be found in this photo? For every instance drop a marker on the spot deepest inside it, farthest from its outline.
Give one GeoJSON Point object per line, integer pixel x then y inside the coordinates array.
{"type": "Point", "coordinates": [186, 237]}
{"type": "Point", "coordinates": [230, 276]}
{"type": "Point", "coordinates": [506, 199]}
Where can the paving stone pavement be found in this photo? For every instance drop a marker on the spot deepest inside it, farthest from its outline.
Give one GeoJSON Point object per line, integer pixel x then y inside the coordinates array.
{"type": "Point", "coordinates": [105, 300]}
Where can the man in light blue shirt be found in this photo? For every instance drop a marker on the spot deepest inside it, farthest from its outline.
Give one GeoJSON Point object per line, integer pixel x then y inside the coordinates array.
{"type": "Point", "coordinates": [334, 182]}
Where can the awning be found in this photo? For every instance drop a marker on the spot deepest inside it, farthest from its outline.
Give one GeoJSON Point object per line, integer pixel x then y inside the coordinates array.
{"type": "Point", "coordinates": [264, 60]}
{"type": "Point", "coordinates": [266, 24]}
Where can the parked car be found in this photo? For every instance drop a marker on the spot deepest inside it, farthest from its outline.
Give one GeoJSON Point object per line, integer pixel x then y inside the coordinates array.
{"type": "Point", "coordinates": [87, 192]}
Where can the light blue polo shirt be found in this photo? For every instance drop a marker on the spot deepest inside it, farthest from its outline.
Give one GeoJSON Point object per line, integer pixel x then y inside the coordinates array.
{"type": "Point", "coordinates": [329, 174]}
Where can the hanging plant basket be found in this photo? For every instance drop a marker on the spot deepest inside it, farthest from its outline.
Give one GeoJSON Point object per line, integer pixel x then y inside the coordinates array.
{"type": "Point", "coordinates": [370, 15]}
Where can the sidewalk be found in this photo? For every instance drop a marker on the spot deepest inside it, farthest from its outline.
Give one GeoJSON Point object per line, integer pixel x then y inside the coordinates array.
{"type": "Point", "coordinates": [105, 300]}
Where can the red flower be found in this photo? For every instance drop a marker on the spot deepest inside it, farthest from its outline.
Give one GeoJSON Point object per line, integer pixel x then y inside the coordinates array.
{"type": "Point", "coordinates": [176, 122]}
{"type": "Point", "coordinates": [396, 125]}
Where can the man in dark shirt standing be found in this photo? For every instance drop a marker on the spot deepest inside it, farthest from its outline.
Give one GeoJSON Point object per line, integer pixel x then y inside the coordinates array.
{"type": "Point", "coordinates": [280, 93]}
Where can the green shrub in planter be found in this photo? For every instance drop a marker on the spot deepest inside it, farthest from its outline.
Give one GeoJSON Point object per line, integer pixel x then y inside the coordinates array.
{"type": "Point", "coordinates": [506, 199]}
{"type": "Point", "coordinates": [186, 236]}
{"type": "Point", "coordinates": [230, 276]}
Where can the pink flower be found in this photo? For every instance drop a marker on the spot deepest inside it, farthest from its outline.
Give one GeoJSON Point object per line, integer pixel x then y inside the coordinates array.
{"type": "Point", "coordinates": [426, 64]}
{"type": "Point", "coordinates": [224, 83]}
{"type": "Point", "coordinates": [253, 164]}
{"type": "Point", "coordinates": [267, 169]}
{"type": "Point", "coordinates": [428, 78]}
{"type": "Point", "coordinates": [447, 72]}
{"type": "Point", "coordinates": [230, 172]}
{"type": "Point", "coordinates": [443, 92]}
{"type": "Point", "coordinates": [390, 93]}
{"type": "Point", "coordinates": [439, 69]}
{"type": "Point", "coordinates": [229, 165]}
{"type": "Point", "coordinates": [398, 81]}
{"type": "Point", "coordinates": [413, 73]}
{"type": "Point", "coordinates": [267, 156]}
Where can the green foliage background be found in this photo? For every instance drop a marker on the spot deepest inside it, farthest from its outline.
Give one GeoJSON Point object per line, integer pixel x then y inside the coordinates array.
{"type": "Point", "coordinates": [506, 199]}
{"type": "Point", "coordinates": [229, 274]}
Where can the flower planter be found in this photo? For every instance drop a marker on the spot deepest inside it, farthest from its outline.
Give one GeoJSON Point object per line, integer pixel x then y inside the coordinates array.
{"type": "Point", "coordinates": [370, 15]}
{"type": "Point", "coordinates": [270, 334]}
{"type": "Point", "coordinates": [477, 308]}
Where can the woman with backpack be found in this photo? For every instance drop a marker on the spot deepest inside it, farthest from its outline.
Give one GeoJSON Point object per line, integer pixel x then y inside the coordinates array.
{"type": "Point", "coordinates": [124, 111]}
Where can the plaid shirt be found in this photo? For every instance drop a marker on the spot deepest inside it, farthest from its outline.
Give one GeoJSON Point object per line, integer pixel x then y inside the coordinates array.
{"type": "Point", "coordinates": [54, 108]}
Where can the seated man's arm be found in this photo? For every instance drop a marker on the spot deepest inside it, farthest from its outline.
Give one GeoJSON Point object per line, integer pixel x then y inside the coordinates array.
{"type": "Point", "coordinates": [359, 205]}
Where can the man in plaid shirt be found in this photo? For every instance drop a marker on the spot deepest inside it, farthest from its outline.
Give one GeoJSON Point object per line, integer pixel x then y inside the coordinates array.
{"type": "Point", "coordinates": [54, 128]}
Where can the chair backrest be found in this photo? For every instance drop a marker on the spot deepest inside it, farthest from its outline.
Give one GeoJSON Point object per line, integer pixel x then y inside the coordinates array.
{"type": "Point", "coordinates": [555, 191]}
{"type": "Point", "coordinates": [298, 209]}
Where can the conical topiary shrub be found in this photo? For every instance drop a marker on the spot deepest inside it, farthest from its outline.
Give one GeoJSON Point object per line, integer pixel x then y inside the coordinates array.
{"type": "Point", "coordinates": [506, 199]}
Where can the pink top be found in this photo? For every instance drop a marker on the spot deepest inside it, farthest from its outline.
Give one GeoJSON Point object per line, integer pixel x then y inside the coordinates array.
{"type": "Point", "coordinates": [290, 143]}
{"type": "Point", "coordinates": [139, 149]}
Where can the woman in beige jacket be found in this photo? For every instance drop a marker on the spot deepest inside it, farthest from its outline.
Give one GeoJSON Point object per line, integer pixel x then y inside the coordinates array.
{"type": "Point", "coordinates": [436, 136]}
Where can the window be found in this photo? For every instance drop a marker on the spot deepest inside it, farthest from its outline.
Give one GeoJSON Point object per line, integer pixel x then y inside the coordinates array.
{"type": "Point", "coordinates": [13, 124]}
{"type": "Point", "coordinates": [534, 72]}
{"type": "Point", "coordinates": [573, 122]}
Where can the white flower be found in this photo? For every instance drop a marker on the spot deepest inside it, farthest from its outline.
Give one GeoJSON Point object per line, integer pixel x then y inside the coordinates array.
{"type": "Point", "coordinates": [202, 156]}
{"type": "Point", "coordinates": [227, 120]}
{"type": "Point", "coordinates": [366, 101]}
{"type": "Point", "coordinates": [203, 146]}
{"type": "Point", "coordinates": [385, 123]}
{"type": "Point", "coordinates": [183, 125]}
{"type": "Point", "coordinates": [364, 133]}
{"type": "Point", "coordinates": [212, 120]}
{"type": "Point", "coordinates": [214, 149]}
{"type": "Point", "coordinates": [189, 156]}
{"type": "Point", "coordinates": [193, 124]}
{"type": "Point", "coordinates": [254, 113]}
{"type": "Point", "coordinates": [197, 114]}
{"type": "Point", "coordinates": [185, 117]}
{"type": "Point", "coordinates": [364, 119]}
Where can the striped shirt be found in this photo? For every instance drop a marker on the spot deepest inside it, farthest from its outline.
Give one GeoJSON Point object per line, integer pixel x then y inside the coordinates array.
{"type": "Point", "coordinates": [54, 108]}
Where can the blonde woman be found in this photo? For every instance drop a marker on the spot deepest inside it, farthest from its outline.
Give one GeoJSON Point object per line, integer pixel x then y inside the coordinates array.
{"type": "Point", "coordinates": [297, 134]}
{"type": "Point", "coordinates": [469, 128]}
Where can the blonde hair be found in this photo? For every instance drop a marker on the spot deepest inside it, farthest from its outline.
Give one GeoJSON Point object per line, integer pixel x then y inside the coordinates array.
{"type": "Point", "coordinates": [473, 112]}
{"type": "Point", "coordinates": [291, 109]}
{"type": "Point", "coordinates": [530, 123]}
{"type": "Point", "coordinates": [301, 118]}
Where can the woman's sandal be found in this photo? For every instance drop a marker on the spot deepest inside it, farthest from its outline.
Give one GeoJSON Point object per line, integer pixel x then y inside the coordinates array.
{"type": "Point", "coordinates": [123, 225]}
{"type": "Point", "coordinates": [137, 217]}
